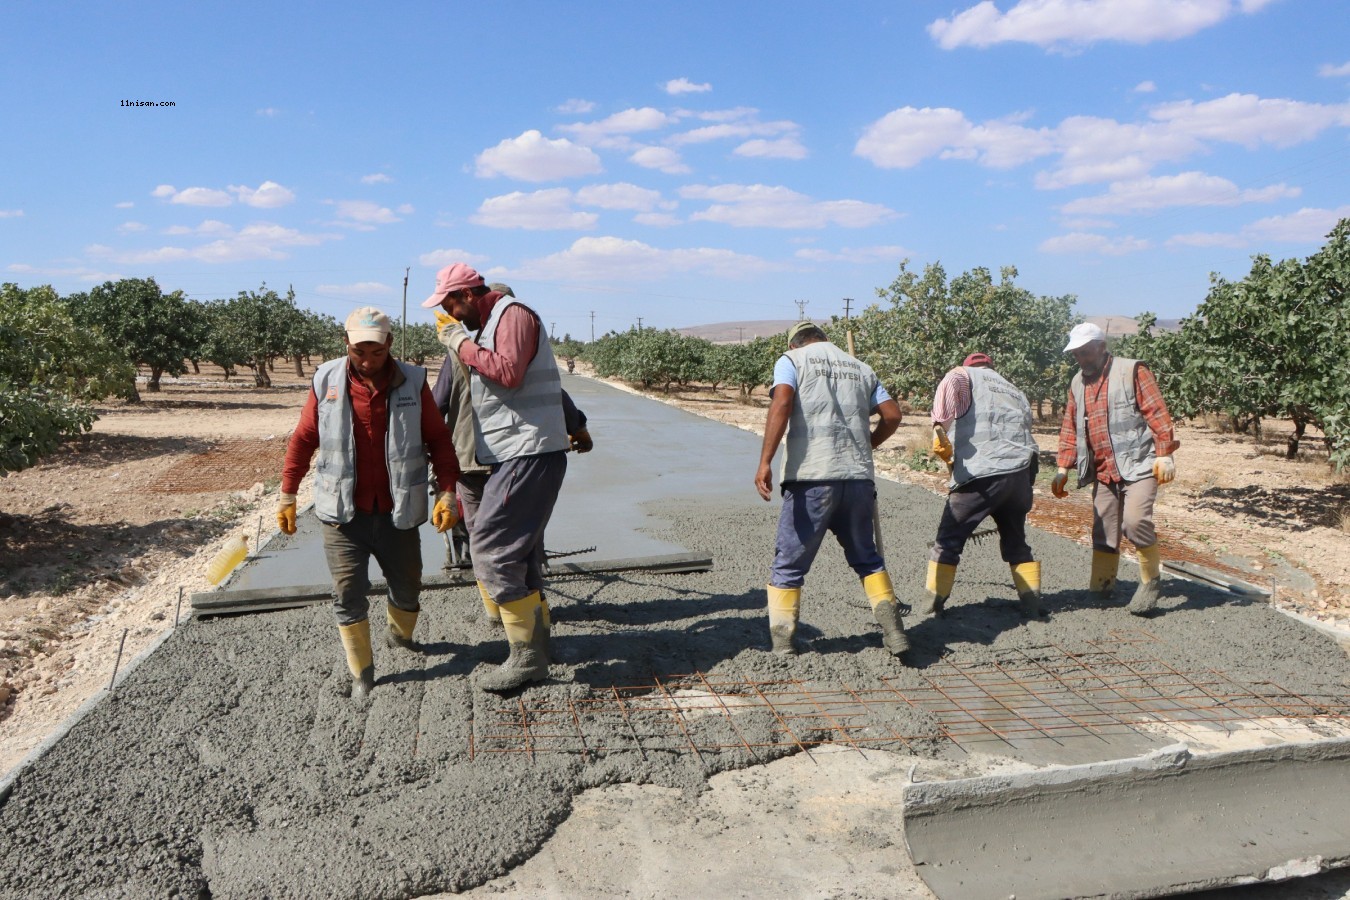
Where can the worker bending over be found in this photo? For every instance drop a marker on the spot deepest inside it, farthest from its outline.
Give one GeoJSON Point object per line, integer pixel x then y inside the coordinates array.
{"type": "Point", "coordinates": [374, 423]}
{"type": "Point", "coordinates": [824, 399]}
{"type": "Point", "coordinates": [982, 431]}
{"type": "Point", "coordinates": [1118, 433]}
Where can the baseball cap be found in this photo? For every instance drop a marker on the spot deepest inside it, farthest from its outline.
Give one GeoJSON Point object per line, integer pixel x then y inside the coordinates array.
{"type": "Point", "coordinates": [455, 277]}
{"type": "Point", "coordinates": [978, 359]}
{"type": "Point", "coordinates": [368, 324]}
{"type": "Point", "coordinates": [799, 328]}
{"type": "Point", "coordinates": [501, 288]}
{"type": "Point", "coordinates": [1084, 333]}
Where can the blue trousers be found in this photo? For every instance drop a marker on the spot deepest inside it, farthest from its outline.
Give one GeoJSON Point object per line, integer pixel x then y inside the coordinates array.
{"type": "Point", "coordinates": [812, 508]}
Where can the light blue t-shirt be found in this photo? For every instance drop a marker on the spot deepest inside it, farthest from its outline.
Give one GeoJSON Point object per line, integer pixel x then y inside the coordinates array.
{"type": "Point", "coordinates": [784, 372]}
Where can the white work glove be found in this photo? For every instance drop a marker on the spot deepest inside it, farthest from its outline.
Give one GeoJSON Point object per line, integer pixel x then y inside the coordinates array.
{"type": "Point", "coordinates": [1164, 469]}
{"type": "Point", "coordinates": [1057, 483]}
{"type": "Point", "coordinates": [286, 513]}
{"type": "Point", "coordinates": [444, 515]}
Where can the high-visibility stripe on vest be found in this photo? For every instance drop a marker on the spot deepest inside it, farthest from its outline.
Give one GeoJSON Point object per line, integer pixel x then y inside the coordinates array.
{"type": "Point", "coordinates": [520, 421]}
{"type": "Point", "coordinates": [405, 452]}
{"type": "Point", "coordinates": [1132, 442]}
{"type": "Point", "coordinates": [829, 435]}
{"type": "Point", "coordinates": [994, 435]}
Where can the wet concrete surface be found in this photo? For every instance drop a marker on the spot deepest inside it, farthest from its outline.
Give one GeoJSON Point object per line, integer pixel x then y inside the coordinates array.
{"type": "Point", "coordinates": [233, 763]}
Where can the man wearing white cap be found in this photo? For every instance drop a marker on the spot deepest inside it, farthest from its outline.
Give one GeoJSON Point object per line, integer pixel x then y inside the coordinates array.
{"type": "Point", "coordinates": [521, 434]}
{"type": "Point", "coordinates": [1118, 434]}
{"type": "Point", "coordinates": [374, 423]}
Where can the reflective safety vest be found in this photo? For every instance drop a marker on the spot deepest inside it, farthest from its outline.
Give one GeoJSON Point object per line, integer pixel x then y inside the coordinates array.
{"type": "Point", "coordinates": [405, 453]}
{"type": "Point", "coordinates": [829, 435]}
{"type": "Point", "coordinates": [520, 421]}
{"type": "Point", "coordinates": [1132, 442]}
{"type": "Point", "coordinates": [994, 435]}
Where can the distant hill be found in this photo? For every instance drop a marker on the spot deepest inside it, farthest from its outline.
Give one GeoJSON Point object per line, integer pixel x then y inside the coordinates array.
{"type": "Point", "coordinates": [735, 332]}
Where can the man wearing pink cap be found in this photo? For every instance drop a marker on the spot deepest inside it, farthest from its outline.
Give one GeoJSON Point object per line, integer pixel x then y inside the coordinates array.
{"type": "Point", "coordinates": [520, 433]}
{"type": "Point", "coordinates": [982, 431]}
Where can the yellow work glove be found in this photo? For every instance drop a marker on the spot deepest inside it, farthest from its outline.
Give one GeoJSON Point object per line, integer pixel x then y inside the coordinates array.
{"type": "Point", "coordinates": [443, 321]}
{"type": "Point", "coordinates": [1164, 469]}
{"type": "Point", "coordinates": [581, 441]}
{"type": "Point", "coordinates": [1057, 483]}
{"type": "Point", "coordinates": [286, 513]}
{"type": "Point", "coordinates": [942, 447]}
{"type": "Point", "coordinates": [443, 514]}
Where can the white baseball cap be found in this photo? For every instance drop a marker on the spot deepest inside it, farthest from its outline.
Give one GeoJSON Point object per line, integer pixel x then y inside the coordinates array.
{"type": "Point", "coordinates": [368, 324]}
{"type": "Point", "coordinates": [1084, 333]}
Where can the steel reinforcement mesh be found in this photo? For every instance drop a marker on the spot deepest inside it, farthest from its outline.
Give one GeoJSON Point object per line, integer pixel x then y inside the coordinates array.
{"type": "Point", "coordinates": [1116, 685]}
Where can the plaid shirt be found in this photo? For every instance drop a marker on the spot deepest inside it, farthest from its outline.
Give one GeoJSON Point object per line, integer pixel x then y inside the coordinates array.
{"type": "Point", "coordinates": [1149, 401]}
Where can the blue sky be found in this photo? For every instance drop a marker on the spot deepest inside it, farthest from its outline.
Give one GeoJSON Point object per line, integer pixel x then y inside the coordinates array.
{"type": "Point", "coordinates": [684, 163]}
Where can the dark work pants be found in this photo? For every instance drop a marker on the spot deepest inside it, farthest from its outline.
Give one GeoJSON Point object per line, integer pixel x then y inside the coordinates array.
{"type": "Point", "coordinates": [1007, 498]}
{"type": "Point", "coordinates": [348, 549]}
{"type": "Point", "coordinates": [506, 530]}
{"type": "Point", "coordinates": [812, 508]}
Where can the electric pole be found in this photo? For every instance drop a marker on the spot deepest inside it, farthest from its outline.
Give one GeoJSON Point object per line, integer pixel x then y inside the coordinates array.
{"type": "Point", "coordinates": [552, 331]}
{"type": "Point", "coordinates": [801, 310]}
{"type": "Point", "coordinates": [403, 336]}
{"type": "Point", "coordinates": [592, 326]}
{"type": "Point", "coordinates": [639, 323]}
{"type": "Point", "coordinates": [741, 335]}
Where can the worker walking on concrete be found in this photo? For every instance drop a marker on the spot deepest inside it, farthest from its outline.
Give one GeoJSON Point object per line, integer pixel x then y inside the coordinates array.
{"type": "Point", "coordinates": [982, 431]}
{"type": "Point", "coordinates": [374, 423]}
{"type": "Point", "coordinates": [1118, 433]}
{"type": "Point", "coordinates": [521, 434]}
{"type": "Point", "coordinates": [453, 398]}
{"type": "Point", "coordinates": [823, 400]}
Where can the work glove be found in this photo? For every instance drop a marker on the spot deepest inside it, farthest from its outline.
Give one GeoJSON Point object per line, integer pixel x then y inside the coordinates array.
{"type": "Point", "coordinates": [443, 514]}
{"type": "Point", "coordinates": [581, 441]}
{"type": "Point", "coordinates": [1164, 469]}
{"type": "Point", "coordinates": [1057, 483]}
{"type": "Point", "coordinates": [450, 331]}
{"type": "Point", "coordinates": [942, 446]}
{"type": "Point", "coordinates": [286, 513]}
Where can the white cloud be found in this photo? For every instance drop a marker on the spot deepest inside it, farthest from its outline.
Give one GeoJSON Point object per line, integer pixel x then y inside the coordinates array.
{"type": "Point", "coordinates": [533, 157]}
{"type": "Point", "coordinates": [662, 158]}
{"type": "Point", "coordinates": [893, 253]}
{"type": "Point", "coordinates": [1185, 189]}
{"type": "Point", "coordinates": [685, 86]}
{"type": "Point", "coordinates": [1081, 243]}
{"type": "Point", "coordinates": [260, 240]}
{"type": "Point", "coordinates": [1250, 120]}
{"type": "Point", "coordinates": [376, 178]}
{"type": "Point", "coordinates": [80, 273]}
{"type": "Point", "coordinates": [164, 190]}
{"type": "Point", "coordinates": [1145, 87]}
{"type": "Point", "coordinates": [363, 215]}
{"type": "Point", "coordinates": [538, 211]}
{"type": "Point", "coordinates": [621, 196]}
{"type": "Point", "coordinates": [437, 259]}
{"type": "Point", "coordinates": [268, 195]}
{"type": "Point", "coordinates": [1076, 23]}
{"type": "Point", "coordinates": [656, 219]}
{"type": "Point", "coordinates": [629, 121]}
{"type": "Point", "coordinates": [200, 196]}
{"type": "Point", "coordinates": [11, 214]}
{"type": "Point", "coordinates": [1327, 70]}
{"type": "Point", "coordinates": [762, 206]}
{"type": "Point", "coordinates": [208, 227]}
{"type": "Point", "coordinates": [783, 148]}
{"type": "Point", "coordinates": [125, 204]}
{"type": "Point", "coordinates": [905, 137]}
{"type": "Point", "coordinates": [725, 130]}
{"type": "Point", "coordinates": [734, 114]}
{"type": "Point", "coordinates": [1307, 226]}
{"type": "Point", "coordinates": [359, 289]}
{"type": "Point", "coordinates": [130, 228]}
{"type": "Point", "coordinates": [269, 111]}
{"type": "Point", "coordinates": [613, 259]}
{"type": "Point", "coordinates": [574, 107]}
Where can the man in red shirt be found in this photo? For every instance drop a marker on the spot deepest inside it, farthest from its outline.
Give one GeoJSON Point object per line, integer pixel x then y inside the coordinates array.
{"type": "Point", "coordinates": [1118, 434]}
{"type": "Point", "coordinates": [373, 422]}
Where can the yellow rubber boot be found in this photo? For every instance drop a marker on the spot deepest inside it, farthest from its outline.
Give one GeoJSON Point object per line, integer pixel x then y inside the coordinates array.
{"type": "Point", "coordinates": [523, 621]}
{"type": "Point", "coordinates": [401, 625]}
{"type": "Point", "coordinates": [1103, 579]}
{"type": "Point", "coordinates": [1027, 579]}
{"type": "Point", "coordinates": [937, 588]}
{"type": "Point", "coordinates": [360, 660]}
{"type": "Point", "coordinates": [785, 608]}
{"type": "Point", "coordinates": [491, 611]}
{"type": "Point", "coordinates": [1145, 598]}
{"type": "Point", "coordinates": [881, 594]}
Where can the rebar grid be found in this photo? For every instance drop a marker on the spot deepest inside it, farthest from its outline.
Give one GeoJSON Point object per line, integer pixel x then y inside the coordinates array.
{"type": "Point", "coordinates": [1114, 687]}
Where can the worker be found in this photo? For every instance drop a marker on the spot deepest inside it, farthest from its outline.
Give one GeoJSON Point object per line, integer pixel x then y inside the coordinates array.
{"type": "Point", "coordinates": [823, 399]}
{"type": "Point", "coordinates": [982, 431]}
{"type": "Point", "coordinates": [1118, 434]}
{"type": "Point", "coordinates": [452, 394]}
{"type": "Point", "coordinates": [519, 432]}
{"type": "Point", "coordinates": [374, 423]}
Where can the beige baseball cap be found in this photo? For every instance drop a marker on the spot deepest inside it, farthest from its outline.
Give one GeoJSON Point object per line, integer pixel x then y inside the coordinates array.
{"type": "Point", "coordinates": [368, 324]}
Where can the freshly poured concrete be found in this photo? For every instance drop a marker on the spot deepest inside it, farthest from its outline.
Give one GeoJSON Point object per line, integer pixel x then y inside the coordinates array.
{"type": "Point", "coordinates": [233, 762]}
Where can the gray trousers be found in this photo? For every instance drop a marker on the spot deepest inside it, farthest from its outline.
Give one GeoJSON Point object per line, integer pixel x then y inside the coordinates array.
{"type": "Point", "coordinates": [1127, 505]}
{"type": "Point", "coordinates": [1005, 498]}
{"type": "Point", "coordinates": [506, 527]}
{"type": "Point", "coordinates": [348, 549]}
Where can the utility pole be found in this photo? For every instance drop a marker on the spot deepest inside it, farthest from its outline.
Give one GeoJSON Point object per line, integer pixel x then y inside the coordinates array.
{"type": "Point", "coordinates": [403, 337]}
{"type": "Point", "coordinates": [741, 334]}
{"type": "Point", "coordinates": [639, 323]}
{"type": "Point", "coordinates": [592, 326]}
{"type": "Point", "coordinates": [848, 303]}
{"type": "Point", "coordinates": [848, 324]}
{"type": "Point", "coordinates": [552, 330]}
{"type": "Point", "coordinates": [801, 310]}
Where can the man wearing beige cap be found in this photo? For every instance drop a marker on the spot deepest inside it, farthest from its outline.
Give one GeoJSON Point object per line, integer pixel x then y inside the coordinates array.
{"type": "Point", "coordinates": [374, 424]}
{"type": "Point", "coordinates": [1118, 434]}
{"type": "Point", "coordinates": [521, 434]}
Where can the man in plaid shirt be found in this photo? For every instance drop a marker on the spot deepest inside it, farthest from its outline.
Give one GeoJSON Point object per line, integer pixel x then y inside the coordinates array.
{"type": "Point", "coordinates": [1118, 434]}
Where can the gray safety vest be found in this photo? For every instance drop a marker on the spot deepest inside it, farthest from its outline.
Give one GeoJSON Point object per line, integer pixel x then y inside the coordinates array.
{"type": "Point", "coordinates": [405, 453]}
{"type": "Point", "coordinates": [521, 421]}
{"type": "Point", "coordinates": [1132, 442]}
{"type": "Point", "coordinates": [459, 415]}
{"type": "Point", "coordinates": [829, 435]}
{"type": "Point", "coordinates": [994, 435]}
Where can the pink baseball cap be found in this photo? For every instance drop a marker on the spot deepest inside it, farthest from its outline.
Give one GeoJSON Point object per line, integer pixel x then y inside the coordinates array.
{"type": "Point", "coordinates": [452, 278]}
